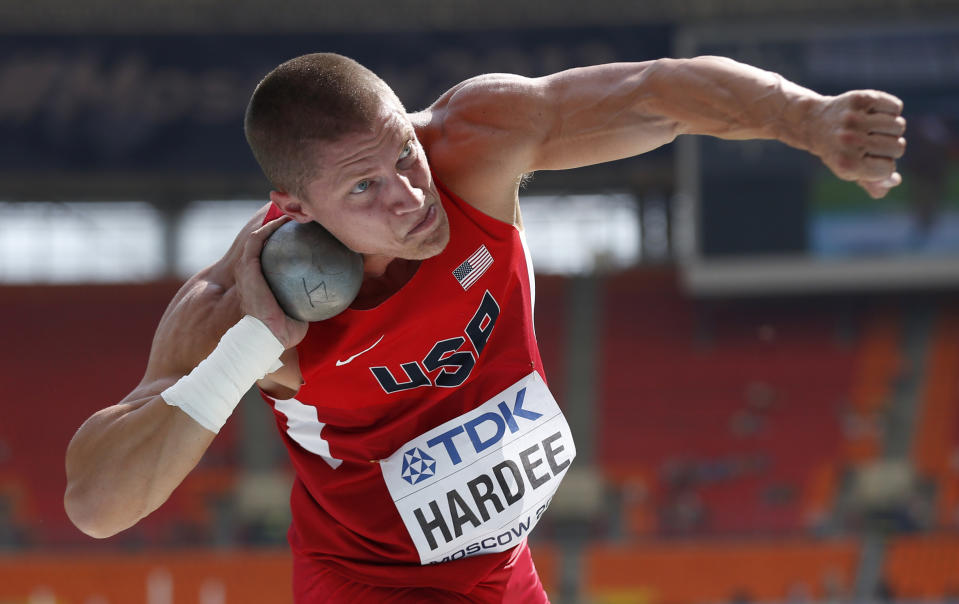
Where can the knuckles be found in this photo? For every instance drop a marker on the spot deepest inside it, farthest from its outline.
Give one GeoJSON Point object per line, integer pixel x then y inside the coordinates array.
{"type": "Point", "coordinates": [859, 100]}
{"type": "Point", "coordinates": [851, 120]}
{"type": "Point", "coordinates": [850, 138]}
{"type": "Point", "coordinates": [846, 166]}
{"type": "Point", "coordinates": [861, 137]}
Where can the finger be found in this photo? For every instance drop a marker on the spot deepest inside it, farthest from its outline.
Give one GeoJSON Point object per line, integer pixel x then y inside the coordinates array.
{"type": "Point", "coordinates": [874, 189]}
{"type": "Point", "coordinates": [893, 180]}
{"type": "Point", "coordinates": [875, 101]}
{"type": "Point", "coordinates": [875, 168]}
{"type": "Point", "coordinates": [882, 145]}
{"type": "Point", "coordinates": [258, 237]}
{"type": "Point", "coordinates": [267, 229]}
{"type": "Point", "coordinates": [882, 123]}
{"type": "Point", "coordinates": [877, 189]}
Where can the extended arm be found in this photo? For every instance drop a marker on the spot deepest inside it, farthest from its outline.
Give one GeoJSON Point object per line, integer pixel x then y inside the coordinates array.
{"type": "Point", "coordinates": [612, 111]}
{"type": "Point", "coordinates": [127, 459]}
{"type": "Point", "coordinates": [497, 127]}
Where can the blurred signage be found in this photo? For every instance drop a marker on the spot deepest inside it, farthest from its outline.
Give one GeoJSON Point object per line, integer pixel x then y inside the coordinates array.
{"type": "Point", "coordinates": [175, 103]}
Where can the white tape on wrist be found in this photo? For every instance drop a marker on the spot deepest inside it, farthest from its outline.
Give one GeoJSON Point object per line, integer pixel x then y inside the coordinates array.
{"type": "Point", "coordinates": [209, 394]}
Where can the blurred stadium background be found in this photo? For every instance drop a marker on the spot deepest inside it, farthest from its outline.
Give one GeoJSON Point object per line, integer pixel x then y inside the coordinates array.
{"type": "Point", "coordinates": [760, 364]}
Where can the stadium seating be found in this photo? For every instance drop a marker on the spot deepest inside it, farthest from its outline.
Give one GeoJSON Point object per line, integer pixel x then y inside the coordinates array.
{"type": "Point", "coordinates": [721, 423]}
{"type": "Point", "coordinates": [550, 318]}
{"type": "Point", "coordinates": [70, 351]}
{"type": "Point", "coordinates": [936, 446]}
{"type": "Point", "coordinates": [879, 362]}
{"type": "Point", "coordinates": [238, 577]}
{"type": "Point", "coordinates": [692, 572]}
{"type": "Point", "coordinates": [923, 566]}
{"type": "Point", "coordinates": [546, 558]}
{"type": "Point", "coordinates": [728, 416]}
{"type": "Point", "coordinates": [938, 433]}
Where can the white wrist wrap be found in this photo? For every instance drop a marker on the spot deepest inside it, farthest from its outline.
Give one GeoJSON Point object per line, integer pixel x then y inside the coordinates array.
{"type": "Point", "coordinates": [210, 393]}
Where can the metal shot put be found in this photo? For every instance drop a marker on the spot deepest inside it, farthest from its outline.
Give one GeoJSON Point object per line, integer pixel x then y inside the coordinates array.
{"type": "Point", "coordinates": [313, 275]}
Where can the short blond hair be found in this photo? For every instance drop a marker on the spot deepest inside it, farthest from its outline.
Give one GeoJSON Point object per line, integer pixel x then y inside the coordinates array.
{"type": "Point", "coordinates": [303, 103]}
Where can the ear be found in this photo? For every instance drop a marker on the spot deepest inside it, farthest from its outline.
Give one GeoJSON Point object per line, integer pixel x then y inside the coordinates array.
{"type": "Point", "coordinates": [290, 205]}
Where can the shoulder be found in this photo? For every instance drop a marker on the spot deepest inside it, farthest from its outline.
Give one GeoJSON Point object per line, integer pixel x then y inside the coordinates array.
{"type": "Point", "coordinates": [500, 105]}
{"type": "Point", "coordinates": [477, 99]}
{"type": "Point", "coordinates": [481, 138]}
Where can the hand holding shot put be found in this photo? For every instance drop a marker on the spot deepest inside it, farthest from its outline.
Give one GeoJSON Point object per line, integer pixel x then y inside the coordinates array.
{"type": "Point", "coordinates": [313, 275]}
{"type": "Point", "coordinates": [256, 297]}
{"type": "Point", "coordinates": [439, 338]}
{"type": "Point", "coordinates": [144, 446]}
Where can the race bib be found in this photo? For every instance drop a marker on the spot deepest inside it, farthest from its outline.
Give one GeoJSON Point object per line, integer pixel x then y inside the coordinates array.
{"type": "Point", "coordinates": [480, 482]}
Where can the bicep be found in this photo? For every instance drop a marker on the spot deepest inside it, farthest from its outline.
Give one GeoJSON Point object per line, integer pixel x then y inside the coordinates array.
{"type": "Point", "coordinates": [601, 113]}
{"type": "Point", "coordinates": [486, 133]}
{"type": "Point", "coordinates": [598, 114]}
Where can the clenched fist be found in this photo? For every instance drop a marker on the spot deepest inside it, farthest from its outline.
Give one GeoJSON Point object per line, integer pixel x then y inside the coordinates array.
{"type": "Point", "coordinates": [859, 136]}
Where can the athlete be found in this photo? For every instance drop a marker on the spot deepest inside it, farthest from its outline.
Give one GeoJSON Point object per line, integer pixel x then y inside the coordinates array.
{"type": "Point", "coordinates": [425, 441]}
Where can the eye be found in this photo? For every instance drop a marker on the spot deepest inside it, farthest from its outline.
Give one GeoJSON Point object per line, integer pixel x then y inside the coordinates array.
{"type": "Point", "coordinates": [407, 150]}
{"type": "Point", "coordinates": [361, 186]}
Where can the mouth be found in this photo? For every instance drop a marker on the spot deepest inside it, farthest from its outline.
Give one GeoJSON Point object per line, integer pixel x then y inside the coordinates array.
{"type": "Point", "coordinates": [429, 219]}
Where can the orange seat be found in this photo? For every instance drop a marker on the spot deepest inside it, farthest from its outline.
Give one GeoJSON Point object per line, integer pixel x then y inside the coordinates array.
{"type": "Point", "coordinates": [546, 558]}
{"type": "Point", "coordinates": [694, 572]}
{"type": "Point", "coordinates": [925, 566]}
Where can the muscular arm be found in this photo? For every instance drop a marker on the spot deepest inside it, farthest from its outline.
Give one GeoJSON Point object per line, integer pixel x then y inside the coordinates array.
{"type": "Point", "coordinates": [857, 134]}
{"type": "Point", "coordinates": [498, 127]}
{"type": "Point", "coordinates": [127, 459]}
{"type": "Point", "coordinates": [618, 110]}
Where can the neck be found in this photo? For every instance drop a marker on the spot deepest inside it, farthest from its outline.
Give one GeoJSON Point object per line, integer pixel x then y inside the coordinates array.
{"type": "Point", "coordinates": [383, 277]}
{"type": "Point", "coordinates": [375, 266]}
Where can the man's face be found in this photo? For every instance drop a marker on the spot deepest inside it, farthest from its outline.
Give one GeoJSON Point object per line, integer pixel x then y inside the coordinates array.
{"type": "Point", "coordinates": [375, 193]}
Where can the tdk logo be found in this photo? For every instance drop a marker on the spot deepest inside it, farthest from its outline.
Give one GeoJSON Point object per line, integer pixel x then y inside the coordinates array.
{"type": "Point", "coordinates": [417, 466]}
{"type": "Point", "coordinates": [505, 419]}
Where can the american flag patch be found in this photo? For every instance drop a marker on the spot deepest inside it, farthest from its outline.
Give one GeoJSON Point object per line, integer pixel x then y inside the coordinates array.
{"type": "Point", "coordinates": [473, 267]}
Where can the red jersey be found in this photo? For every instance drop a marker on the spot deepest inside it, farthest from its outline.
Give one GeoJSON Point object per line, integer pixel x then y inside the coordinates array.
{"type": "Point", "coordinates": [425, 442]}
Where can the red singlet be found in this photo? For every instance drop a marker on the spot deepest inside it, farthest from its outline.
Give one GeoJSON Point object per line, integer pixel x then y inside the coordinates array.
{"type": "Point", "coordinates": [425, 442]}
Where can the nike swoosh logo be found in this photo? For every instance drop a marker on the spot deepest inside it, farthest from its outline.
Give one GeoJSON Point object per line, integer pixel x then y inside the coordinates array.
{"type": "Point", "coordinates": [341, 363]}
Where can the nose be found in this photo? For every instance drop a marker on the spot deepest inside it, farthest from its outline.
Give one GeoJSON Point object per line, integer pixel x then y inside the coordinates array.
{"type": "Point", "coordinates": [406, 196]}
